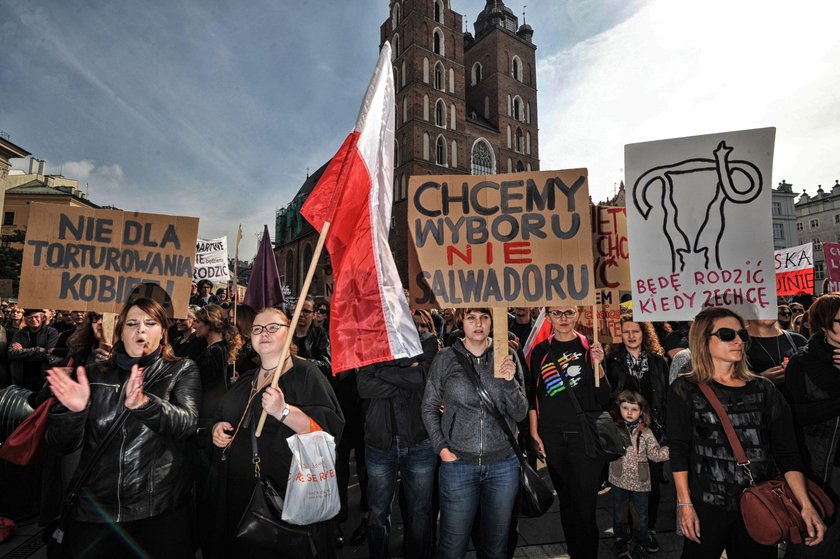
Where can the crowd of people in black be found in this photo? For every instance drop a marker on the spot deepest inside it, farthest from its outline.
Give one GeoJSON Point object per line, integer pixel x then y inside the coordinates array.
{"type": "Point", "coordinates": [179, 471]}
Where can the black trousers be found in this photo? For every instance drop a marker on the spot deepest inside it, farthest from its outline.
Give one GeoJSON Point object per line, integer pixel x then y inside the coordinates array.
{"type": "Point", "coordinates": [165, 535]}
{"type": "Point", "coordinates": [723, 530]}
{"type": "Point", "coordinates": [576, 478]}
{"type": "Point", "coordinates": [655, 492]}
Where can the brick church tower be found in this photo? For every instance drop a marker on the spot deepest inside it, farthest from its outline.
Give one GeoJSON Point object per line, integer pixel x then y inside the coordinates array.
{"type": "Point", "coordinates": [465, 104]}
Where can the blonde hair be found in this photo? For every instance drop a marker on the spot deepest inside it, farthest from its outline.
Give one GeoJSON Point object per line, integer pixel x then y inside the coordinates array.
{"type": "Point", "coordinates": [699, 337]}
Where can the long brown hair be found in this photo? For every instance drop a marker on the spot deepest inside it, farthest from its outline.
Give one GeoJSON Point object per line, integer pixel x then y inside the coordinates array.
{"type": "Point", "coordinates": [699, 337]}
{"type": "Point", "coordinates": [216, 319]}
{"type": "Point", "coordinates": [154, 310]}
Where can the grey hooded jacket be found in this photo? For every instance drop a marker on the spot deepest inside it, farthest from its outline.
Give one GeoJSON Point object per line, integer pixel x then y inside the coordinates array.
{"type": "Point", "coordinates": [465, 427]}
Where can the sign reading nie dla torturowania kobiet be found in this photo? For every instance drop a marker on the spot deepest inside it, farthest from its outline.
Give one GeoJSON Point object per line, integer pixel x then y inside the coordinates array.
{"type": "Point", "coordinates": [92, 259]}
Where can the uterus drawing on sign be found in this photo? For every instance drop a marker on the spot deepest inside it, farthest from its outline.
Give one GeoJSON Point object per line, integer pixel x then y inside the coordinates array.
{"type": "Point", "coordinates": [731, 181]}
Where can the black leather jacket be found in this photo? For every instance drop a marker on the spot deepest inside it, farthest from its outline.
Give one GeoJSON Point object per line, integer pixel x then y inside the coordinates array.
{"type": "Point", "coordinates": [315, 346]}
{"type": "Point", "coordinates": [144, 471]}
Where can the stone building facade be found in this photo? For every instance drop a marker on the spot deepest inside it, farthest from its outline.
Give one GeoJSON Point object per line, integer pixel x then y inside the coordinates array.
{"type": "Point", "coordinates": [818, 221]}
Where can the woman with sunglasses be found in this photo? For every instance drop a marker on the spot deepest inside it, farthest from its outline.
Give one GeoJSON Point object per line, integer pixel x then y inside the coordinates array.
{"type": "Point", "coordinates": [813, 389]}
{"type": "Point", "coordinates": [563, 367]}
{"type": "Point", "coordinates": [707, 478]}
{"type": "Point", "coordinates": [302, 402]}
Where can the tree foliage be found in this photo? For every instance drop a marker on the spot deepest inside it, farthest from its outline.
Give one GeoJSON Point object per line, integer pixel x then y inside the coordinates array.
{"type": "Point", "coordinates": [10, 257]}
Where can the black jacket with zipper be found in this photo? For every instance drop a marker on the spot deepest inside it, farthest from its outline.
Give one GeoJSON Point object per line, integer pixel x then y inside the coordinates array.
{"type": "Point", "coordinates": [812, 386]}
{"type": "Point", "coordinates": [144, 471]}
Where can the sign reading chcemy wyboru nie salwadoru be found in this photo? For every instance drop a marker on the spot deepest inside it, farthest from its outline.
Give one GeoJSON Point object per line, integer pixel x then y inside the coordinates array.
{"type": "Point", "coordinates": [520, 239]}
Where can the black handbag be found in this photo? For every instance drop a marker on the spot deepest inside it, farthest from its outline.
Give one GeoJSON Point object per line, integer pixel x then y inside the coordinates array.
{"type": "Point", "coordinates": [534, 497]}
{"type": "Point", "coordinates": [262, 525]}
{"type": "Point", "coordinates": [601, 438]}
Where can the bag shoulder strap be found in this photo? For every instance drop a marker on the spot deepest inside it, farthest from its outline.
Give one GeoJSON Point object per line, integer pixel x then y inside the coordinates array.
{"type": "Point", "coordinates": [731, 436]}
{"type": "Point", "coordinates": [789, 338]}
{"type": "Point", "coordinates": [572, 396]}
{"type": "Point", "coordinates": [472, 373]}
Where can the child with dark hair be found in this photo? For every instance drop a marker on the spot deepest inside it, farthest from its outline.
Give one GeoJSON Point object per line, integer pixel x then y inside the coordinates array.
{"type": "Point", "coordinates": [630, 476]}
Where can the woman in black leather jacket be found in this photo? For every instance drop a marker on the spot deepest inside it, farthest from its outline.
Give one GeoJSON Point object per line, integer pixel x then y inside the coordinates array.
{"type": "Point", "coordinates": [136, 501]}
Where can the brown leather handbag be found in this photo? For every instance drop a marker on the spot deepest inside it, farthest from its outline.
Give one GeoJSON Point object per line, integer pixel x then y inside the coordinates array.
{"type": "Point", "coordinates": [770, 510]}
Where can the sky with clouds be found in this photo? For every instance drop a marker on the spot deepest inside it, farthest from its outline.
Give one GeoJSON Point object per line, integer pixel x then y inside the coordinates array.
{"type": "Point", "coordinates": [217, 109]}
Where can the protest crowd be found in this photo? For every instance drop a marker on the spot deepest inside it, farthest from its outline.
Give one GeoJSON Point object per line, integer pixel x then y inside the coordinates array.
{"type": "Point", "coordinates": [181, 475]}
{"type": "Point", "coordinates": [227, 425]}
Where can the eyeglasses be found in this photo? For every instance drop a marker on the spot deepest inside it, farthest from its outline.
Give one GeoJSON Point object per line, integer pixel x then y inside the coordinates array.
{"type": "Point", "coordinates": [784, 313]}
{"type": "Point", "coordinates": [272, 328]}
{"type": "Point", "coordinates": [322, 311]}
{"type": "Point", "coordinates": [306, 311]}
{"type": "Point", "coordinates": [728, 334]}
{"type": "Point", "coordinates": [567, 314]}
{"type": "Point", "coordinates": [94, 317]}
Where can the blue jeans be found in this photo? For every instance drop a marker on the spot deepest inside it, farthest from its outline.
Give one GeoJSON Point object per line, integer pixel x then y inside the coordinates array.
{"type": "Point", "coordinates": [416, 466]}
{"type": "Point", "coordinates": [621, 501]}
{"type": "Point", "coordinates": [463, 487]}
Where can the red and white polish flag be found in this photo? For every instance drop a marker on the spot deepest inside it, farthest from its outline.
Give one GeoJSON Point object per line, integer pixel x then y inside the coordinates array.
{"type": "Point", "coordinates": [370, 321]}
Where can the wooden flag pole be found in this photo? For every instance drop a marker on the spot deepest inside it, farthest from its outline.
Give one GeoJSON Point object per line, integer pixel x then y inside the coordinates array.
{"type": "Point", "coordinates": [500, 339]}
{"type": "Point", "coordinates": [234, 376]}
{"type": "Point", "coordinates": [595, 339]}
{"type": "Point", "coordinates": [316, 256]}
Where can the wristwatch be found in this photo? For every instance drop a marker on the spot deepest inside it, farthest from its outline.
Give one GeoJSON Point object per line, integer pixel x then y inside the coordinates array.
{"type": "Point", "coordinates": [284, 414]}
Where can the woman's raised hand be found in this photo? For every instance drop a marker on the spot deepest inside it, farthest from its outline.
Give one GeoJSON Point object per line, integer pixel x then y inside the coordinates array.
{"type": "Point", "coordinates": [134, 396]}
{"type": "Point", "coordinates": [73, 394]}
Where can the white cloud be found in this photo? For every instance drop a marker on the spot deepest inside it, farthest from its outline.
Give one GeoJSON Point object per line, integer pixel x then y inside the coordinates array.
{"type": "Point", "coordinates": [678, 69]}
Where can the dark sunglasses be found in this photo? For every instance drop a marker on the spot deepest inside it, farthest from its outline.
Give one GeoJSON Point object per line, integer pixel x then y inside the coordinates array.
{"type": "Point", "coordinates": [728, 334]}
{"type": "Point", "coordinates": [94, 317]}
{"type": "Point", "coordinates": [322, 311]}
{"type": "Point", "coordinates": [784, 313]}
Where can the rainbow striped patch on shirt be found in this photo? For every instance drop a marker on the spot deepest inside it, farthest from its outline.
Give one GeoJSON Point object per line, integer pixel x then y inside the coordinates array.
{"type": "Point", "coordinates": [551, 373]}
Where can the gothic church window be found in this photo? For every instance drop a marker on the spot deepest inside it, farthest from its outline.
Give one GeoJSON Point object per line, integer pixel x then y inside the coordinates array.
{"type": "Point", "coordinates": [440, 151]}
{"type": "Point", "coordinates": [438, 46]}
{"type": "Point", "coordinates": [482, 158]}
{"type": "Point", "coordinates": [440, 113]}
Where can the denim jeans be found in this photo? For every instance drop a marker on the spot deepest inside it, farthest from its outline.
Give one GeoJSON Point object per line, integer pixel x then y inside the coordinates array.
{"type": "Point", "coordinates": [416, 466]}
{"type": "Point", "coordinates": [622, 498]}
{"type": "Point", "coordinates": [463, 488]}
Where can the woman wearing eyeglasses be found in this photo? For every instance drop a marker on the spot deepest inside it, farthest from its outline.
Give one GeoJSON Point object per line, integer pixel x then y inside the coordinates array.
{"type": "Point", "coordinates": [302, 402]}
{"type": "Point", "coordinates": [708, 480]}
{"type": "Point", "coordinates": [566, 362]}
{"type": "Point", "coordinates": [813, 389]}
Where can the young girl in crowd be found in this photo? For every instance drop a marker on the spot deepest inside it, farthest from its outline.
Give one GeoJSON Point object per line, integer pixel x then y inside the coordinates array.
{"type": "Point", "coordinates": [630, 476]}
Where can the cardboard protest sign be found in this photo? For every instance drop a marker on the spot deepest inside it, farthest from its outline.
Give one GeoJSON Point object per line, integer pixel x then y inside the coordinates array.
{"type": "Point", "coordinates": [608, 303]}
{"type": "Point", "coordinates": [507, 240]}
{"type": "Point", "coordinates": [91, 259]}
{"type": "Point", "coordinates": [699, 224]}
{"type": "Point", "coordinates": [211, 260]}
{"type": "Point", "coordinates": [795, 270]}
{"type": "Point", "coordinates": [610, 247]}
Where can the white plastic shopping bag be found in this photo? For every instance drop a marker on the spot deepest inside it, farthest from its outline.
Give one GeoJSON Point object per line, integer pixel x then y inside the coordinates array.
{"type": "Point", "coordinates": [312, 491]}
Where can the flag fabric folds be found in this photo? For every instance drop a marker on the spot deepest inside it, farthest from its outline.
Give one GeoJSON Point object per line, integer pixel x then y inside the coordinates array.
{"type": "Point", "coordinates": [540, 332]}
{"type": "Point", "coordinates": [264, 289]}
{"type": "Point", "coordinates": [370, 321]}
